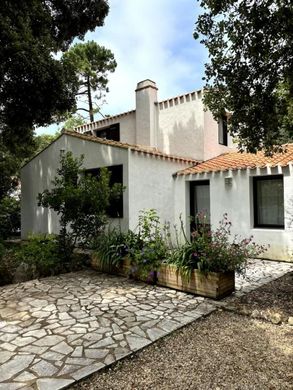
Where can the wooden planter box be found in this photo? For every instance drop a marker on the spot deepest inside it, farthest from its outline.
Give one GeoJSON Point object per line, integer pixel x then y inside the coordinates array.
{"type": "Point", "coordinates": [212, 285]}
{"type": "Point", "coordinates": [99, 266]}
{"type": "Point", "coordinates": [124, 269]}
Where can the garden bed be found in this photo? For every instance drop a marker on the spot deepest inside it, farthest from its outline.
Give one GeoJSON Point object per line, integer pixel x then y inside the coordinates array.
{"type": "Point", "coordinates": [214, 285]}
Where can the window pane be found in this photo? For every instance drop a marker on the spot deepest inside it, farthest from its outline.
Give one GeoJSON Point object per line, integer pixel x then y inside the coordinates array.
{"type": "Point", "coordinates": [270, 202]}
{"type": "Point", "coordinates": [223, 131]}
{"type": "Point", "coordinates": [202, 200]}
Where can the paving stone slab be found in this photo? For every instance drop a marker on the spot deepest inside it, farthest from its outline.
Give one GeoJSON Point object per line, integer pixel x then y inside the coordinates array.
{"type": "Point", "coordinates": [57, 330]}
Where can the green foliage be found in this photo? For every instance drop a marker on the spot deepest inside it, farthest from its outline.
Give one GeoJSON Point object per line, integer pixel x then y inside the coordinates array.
{"type": "Point", "coordinates": [91, 63]}
{"type": "Point", "coordinates": [35, 86]}
{"type": "Point", "coordinates": [9, 168]}
{"type": "Point", "coordinates": [42, 141]}
{"type": "Point", "coordinates": [250, 70]}
{"type": "Point", "coordinates": [41, 254]}
{"type": "Point", "coordinates": [111, 247]}
{"type": "Point", "coordinates": [73, 121]}
{"type": "Point", "coordinates": [9, 217]}
{"type": "Point", "coordinates": [150, 248]}
{"type": "Point", "coordinates": [8, 265]}
{"type": "Point", "coordinates": [81, 202]}
{"type": "Point", "coordinates": [214, 251]}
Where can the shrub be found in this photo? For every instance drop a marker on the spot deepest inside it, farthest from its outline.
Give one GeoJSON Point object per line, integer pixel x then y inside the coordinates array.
{"type": "Point", "coordinates": [81, 202]}
{"type": "Point", "coordinates": [111, 247]}
{"type": "Point", "coordinates": [8, 264]}
{"type": "Point", "coordinates": [9, 217]}
{"type": "Point", "coordinates": [214, 251]}
{"type": "Point", "coordinates": [150, 247]}
{"type": "Point", "coordinates": [41, 254]}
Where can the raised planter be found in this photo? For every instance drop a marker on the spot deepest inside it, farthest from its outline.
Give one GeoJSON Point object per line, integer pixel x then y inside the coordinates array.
{"type": "Point", "coordinates": [124, 269]}
{"type": "Point", "coordinates": [212, 284]}
{"type": "Point", "coordinates": [100, 266]}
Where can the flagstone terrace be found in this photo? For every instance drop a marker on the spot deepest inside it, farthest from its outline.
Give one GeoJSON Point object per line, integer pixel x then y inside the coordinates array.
{"type": "Point", "coordinates": [57, 330]}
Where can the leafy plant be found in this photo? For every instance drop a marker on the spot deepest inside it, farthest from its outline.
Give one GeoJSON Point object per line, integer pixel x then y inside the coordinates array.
{"type": "Point", "coordinates": [224, 253]}
{"type": "Point", "coordinates": [9, 216]}
{"type": "Point", "coordinates": [81, 202]}
{"type": "Point", "coordinates": [41, 254]}
{"type": "Point", "coordinates": [151, 248]}
{"type": "Point", "coordinates": [213, 251]}
{"type": "Point", "coordinates": [111, 247]}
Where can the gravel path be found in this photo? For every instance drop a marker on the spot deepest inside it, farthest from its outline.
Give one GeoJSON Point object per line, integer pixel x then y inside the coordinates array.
{"type": "Point", "coordinates": [224, 351]}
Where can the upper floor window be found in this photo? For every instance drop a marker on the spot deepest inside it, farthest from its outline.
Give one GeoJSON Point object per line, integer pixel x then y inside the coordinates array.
{"type": "Point", "coordinates": [268, 196]}
{"type": "Point", "coordinates": [223, 131]}
{"type": "Point", "coordinates": [112, 132]}
{"type": "Point", "coordinates": [115, 209]}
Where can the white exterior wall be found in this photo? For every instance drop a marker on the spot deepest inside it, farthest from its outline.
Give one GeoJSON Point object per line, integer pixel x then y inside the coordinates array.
{"type": "Point", "coordinates": [127, 126]}
{"type": "Point", "coordinates": [181, 126]}
{"type": "Point", "coordinates": [38, 174]}
{"type": "Point", "coordinates": [237, 201]}
{"type": "Point", "coordinates": [212, 148]}
{"type": "Point", "coordinates": [151, 185]}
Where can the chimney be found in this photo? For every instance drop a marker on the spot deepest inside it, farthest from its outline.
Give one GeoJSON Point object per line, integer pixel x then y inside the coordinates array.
{"type": "Point", "coordinates": [146, 113]}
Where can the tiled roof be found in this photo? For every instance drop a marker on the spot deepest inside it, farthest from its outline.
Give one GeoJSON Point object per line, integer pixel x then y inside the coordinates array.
{"type": "Point", "coordinates": [237, 160]}
{"type": "Point", "coordinates": [135, 148]}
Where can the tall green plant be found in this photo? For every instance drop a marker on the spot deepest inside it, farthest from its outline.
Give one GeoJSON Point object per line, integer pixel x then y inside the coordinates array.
{"type": "Point", "coordinates": [81, 202]}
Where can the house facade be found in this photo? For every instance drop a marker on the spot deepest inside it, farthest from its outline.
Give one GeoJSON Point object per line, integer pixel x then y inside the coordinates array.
{"type": "Point", "coordinates": [174, 157]}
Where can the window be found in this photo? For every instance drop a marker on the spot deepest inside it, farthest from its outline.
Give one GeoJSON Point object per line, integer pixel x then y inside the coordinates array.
{"type": "Point", "coordinates": [223, 131]}
{"type": "Point", "coordinates": [268, 196]}
{"type": "Point", "coordinates": [112, 132]}
{"type": "Point", "coordinates": [115, 210]}
{"type": "Point", "coordinates": [199, 201]}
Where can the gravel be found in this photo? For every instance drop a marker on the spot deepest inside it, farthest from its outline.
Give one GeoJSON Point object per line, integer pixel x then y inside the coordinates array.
{"type": "Point", "coordinates": [223, 351]}
{"type": "Point", "coordinates": [271, 300]}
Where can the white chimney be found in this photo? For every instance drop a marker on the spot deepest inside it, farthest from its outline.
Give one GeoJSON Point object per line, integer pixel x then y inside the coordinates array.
{"type": "Point", "coordinates": [146, 113]}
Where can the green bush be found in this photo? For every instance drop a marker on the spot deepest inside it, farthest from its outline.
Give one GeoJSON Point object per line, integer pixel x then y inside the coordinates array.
{"type": "Point", "coordinates": [81, 202]}
{"type": "Point", "coordinates": [9, 217]}
{"type": "Point", "coordinates": [214, 251]}
{"type": "Point", "coordinates": [41, 254]}
{"type": "Point", "coordinates": [8, 264]}
{"type": "Point", "coordinates": [111, 247]}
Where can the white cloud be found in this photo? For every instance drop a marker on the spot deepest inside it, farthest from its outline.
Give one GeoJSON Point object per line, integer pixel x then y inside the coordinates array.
{"type": "Point", "coordinates": [150, 39]}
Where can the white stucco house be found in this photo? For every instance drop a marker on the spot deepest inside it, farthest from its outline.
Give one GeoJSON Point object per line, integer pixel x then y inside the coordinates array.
{"type": "Point", "coordinates": [173, 156]}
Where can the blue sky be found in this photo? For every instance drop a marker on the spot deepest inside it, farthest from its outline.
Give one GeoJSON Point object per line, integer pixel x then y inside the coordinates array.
{"type": "Point", "coordinates": [150, 39]}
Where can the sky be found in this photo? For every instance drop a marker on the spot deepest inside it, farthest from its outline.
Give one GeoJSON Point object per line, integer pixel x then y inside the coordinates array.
{"type": "Point", "coordinates": [150, 39]}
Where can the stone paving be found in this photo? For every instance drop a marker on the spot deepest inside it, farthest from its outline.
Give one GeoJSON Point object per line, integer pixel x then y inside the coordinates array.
{"type": "Point", "coordinates": [57, 330]}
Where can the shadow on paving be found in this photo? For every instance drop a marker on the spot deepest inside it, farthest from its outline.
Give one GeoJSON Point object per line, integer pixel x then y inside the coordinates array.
{"type": "Point", "coordinates": [223, 351]}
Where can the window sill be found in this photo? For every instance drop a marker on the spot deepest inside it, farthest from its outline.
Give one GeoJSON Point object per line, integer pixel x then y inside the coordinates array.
{"type": "Point", "coordinates": [270, 228]}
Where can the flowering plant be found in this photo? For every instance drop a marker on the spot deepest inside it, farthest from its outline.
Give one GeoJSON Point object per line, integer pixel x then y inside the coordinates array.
{"type": "Point", "coordinates": [214, 251]}
{"type": "Point", "coordinates": [223, 253]}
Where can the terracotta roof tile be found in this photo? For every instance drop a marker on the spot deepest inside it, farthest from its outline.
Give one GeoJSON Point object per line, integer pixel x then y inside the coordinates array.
{"type": "Point", "coordinates": [237, 160]}
{"type": "Point", "coordinates": [135, 148]}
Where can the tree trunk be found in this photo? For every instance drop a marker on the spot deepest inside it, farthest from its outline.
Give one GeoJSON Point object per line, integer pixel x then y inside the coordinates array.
{"type": "Point", "coordinates": [91, 111]}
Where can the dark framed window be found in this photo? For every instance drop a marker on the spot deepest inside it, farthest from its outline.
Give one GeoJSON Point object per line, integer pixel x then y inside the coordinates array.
{"type": "Point", "coordinates": [115, 210]}
{"type": "Point", "coordinates": [199, 201]}
{"type": "Point", "coordinates": [112, 132]}
{"type": "Point", "coordinates": [223, 131]}
{"type": "Point", "coordinates": [268, 201]}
